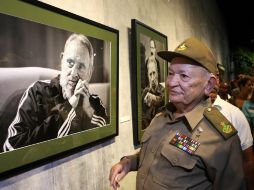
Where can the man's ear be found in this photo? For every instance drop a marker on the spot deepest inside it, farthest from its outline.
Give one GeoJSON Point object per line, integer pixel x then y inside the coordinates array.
{"type": "Point", "coordinates": [210, 84]}
{"type": "Point", "coordinates": [61, 55]}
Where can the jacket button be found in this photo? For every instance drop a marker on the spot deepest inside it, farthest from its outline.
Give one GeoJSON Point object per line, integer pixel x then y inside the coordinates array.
{"type": "Point", "coordinates": [175, 160]}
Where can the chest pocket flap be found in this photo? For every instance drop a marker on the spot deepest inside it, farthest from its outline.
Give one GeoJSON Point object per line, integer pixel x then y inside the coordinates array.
{"type": "Point", "coordinates": [178, 157]}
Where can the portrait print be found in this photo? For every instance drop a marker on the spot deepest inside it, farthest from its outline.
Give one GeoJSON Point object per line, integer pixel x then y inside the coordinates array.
{"type": "Point", "coordinates": [149, 73]}
{"type": "Point", "coordinates": [58, 83]}
{"type": "Point", "coordinates": [42, 69]}
{"type": "Point", "coordinates": [153, 80]}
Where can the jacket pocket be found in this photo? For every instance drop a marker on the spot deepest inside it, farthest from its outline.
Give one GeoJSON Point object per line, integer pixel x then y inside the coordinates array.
{"type": "Point", "coordinates": [174, 166]}
{"type": "Point", "coordinates": [178, 158]}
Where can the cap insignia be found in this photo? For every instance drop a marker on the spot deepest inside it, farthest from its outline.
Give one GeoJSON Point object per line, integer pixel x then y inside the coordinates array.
{"type": "Point", "coordinates": [182, 47]}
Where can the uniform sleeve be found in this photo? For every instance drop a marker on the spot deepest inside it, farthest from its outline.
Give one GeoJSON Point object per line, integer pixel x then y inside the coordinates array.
{"type": "Point", "coordinates": [134, 160]}
{"type": "Point", "coordinates": [34, 122]}
{"type": "Point", "coordinates": [228, 172]}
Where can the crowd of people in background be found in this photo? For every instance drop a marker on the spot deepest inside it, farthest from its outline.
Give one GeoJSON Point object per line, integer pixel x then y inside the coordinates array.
{"type": "Point", "coordinates": [239, 92]}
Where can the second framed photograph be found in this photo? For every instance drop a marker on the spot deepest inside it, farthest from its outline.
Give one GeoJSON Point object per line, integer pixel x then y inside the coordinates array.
{"type": "Point", "coordinates": [149, 74]}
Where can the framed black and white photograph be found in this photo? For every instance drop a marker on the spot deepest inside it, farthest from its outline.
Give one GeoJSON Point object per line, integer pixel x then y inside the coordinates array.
{"type": "Point", "coordinates": [58, 82]}
{"type": "Point", "coordinates": [149, 74]}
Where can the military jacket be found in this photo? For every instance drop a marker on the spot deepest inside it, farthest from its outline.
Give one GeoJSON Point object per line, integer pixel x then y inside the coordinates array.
{"type": "Point", "coordinates": [189, 152]}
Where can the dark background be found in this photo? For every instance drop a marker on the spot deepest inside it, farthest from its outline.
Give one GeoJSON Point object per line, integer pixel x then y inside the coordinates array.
{"type": "Point", "coordinates": [239, 20]}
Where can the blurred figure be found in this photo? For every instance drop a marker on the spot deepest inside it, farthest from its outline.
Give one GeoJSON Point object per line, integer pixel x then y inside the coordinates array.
{"type": "Point", "coordinates": [245, 88]}
{"type": "Point", "coordinates": [224, 91]}
{"type": "Point", "coordinates": [248, 110]}
{"type": "Point", "coordinates": [239, 121]}
{"type": "Point", "coordinates": [153, 95]}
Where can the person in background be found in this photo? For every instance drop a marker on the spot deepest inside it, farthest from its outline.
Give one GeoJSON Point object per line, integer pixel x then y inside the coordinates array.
{"type": "Point", "coordinates": [245, 88]}
{"type": "Point", "coordinates": [62, 106]}
{"type": "Point", "coordinates": [224, 91]}
{"type": "Point", "coordinates": [239, 121]}
{"type": "Point", "coordinates": [190, 144]}
{"type": "Point", "coordinates": [248, 110]}
{"type": "Point", "coordinates": [153, 95]}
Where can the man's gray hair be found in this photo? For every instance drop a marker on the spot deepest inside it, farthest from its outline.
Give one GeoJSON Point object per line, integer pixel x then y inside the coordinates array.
{"type": "Point", "coordinates": [84, 41]}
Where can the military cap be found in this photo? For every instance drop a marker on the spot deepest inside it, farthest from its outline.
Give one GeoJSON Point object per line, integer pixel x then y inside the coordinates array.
{"type": "Point", "coordinates": [194, 50]}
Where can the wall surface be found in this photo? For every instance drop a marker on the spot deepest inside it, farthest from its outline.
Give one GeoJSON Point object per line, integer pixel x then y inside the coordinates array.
{"type": "Point", "coordinates": [178, 19]}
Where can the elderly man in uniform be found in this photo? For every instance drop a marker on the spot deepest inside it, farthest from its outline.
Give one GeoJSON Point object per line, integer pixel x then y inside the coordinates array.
{"type": "Point", "coordinates": [190, 145]}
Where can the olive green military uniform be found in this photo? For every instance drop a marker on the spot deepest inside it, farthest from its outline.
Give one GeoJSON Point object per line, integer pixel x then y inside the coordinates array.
{"type": "Point", "coordinates": [190, 152]}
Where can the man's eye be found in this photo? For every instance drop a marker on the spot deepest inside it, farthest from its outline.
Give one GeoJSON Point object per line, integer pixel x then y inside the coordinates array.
{"type": "Point", "coordinates": [81, 66]}
{"type": "Point", "coordinates": [184, 77]}
{"type": "Point", "coordinates": [70, 62]}
{"type": "Point", "coordinates": [170, 73]}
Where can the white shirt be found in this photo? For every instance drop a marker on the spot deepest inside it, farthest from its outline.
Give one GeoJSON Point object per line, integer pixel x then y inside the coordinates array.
{"type": "Point", "coordinates": [238, 119]}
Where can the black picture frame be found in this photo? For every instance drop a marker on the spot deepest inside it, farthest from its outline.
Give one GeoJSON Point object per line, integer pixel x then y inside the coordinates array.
{"type": "Point", "coordinates": [141, 37]}
{"type": "Point", "coordinates": [35, 13]}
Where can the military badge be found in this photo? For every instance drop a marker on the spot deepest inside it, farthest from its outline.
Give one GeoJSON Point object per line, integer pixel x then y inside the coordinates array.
{"type": "Point", "coordinates": [185, 143]}
{"type": "Point", "coordinates": [226, 128]}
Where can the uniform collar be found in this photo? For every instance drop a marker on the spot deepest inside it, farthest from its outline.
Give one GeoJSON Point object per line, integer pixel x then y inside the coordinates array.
{"type": "Point", "coordinates": [192, 118]}
{"type": "Point", "coordinates": [217, 102]}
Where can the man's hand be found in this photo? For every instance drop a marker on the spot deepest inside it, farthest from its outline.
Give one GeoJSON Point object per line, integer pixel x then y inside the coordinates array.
{"type": "Point", "coordinates": [82, 90]}
{"type": "Point", "coordinates": [76, 95]}
{"type": "Point", "coordinates": [118, 172]}
{"type": "Point", "coordinates": [150, 99]}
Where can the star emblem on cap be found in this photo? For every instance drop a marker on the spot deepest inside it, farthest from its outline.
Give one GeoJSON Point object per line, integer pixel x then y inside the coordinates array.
{"type": "Point", "coordinates": [182, 47]}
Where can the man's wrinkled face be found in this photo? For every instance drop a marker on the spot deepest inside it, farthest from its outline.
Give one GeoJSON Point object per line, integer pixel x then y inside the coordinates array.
{"type": "Point", "coordinates": [186, 82]}
{"type": "Point", "coordinates": [75, 64]}
{"type": "Point", "coordinates": [152, 75]}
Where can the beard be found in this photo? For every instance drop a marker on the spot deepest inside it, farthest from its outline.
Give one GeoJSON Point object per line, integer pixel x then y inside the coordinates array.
{"type": "Point", "coordinates": [153, 87]}
{"type": "Point", "coordinates": [67, 89]}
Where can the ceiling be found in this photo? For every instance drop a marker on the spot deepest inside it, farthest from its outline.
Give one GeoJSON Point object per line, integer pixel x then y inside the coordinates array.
{"type": "Point", "coordinates": [239, 20]}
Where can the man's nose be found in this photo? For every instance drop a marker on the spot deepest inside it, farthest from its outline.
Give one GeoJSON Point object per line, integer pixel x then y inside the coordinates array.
{"type": "Point", "coordinates": [74, 70]}
{"type": "Point", "coordinates": [172, 80]}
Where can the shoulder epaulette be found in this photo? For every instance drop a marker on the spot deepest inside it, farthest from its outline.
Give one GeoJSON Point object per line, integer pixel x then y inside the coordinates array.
{"type": "Point", "coordinates": [220, 122]}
